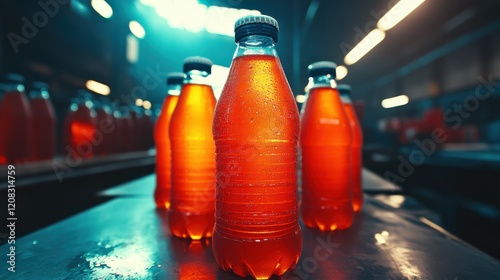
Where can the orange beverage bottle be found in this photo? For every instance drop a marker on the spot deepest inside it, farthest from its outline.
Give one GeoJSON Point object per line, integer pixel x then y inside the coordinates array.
{"type": "Point", "coordinates": [162, 141]}
{"type": "Point", "coordinates": [80, 126]}
{"type": "Point", "coordinates": [106, 124]}
{"type": "Point", "coordinates": [356, 147]}
{"type": "Point", "coordinates": [16, 136]}
{"type": "Point", "coordinates": [44, 123]}
{"type": "Point", "coordinates": [136, 116]}
{"type": "Point", "coordinates": [118, 132]}
{"type": "Point", "coordinates": [128, 130]}
{"type": "Point", "coordinates": [325, 141]}
{"type": "Point", "coordinates": [256, 129]}
{"type": "Point", "coordinates": [191, 213]}
{"type": "Point", "coordinates": [147, 122]}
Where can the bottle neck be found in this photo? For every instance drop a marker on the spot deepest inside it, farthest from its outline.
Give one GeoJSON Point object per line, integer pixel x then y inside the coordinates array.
{"type": "Point", "coordinates": [197, 77]}
{"type": "Point", "coordinates": [14, 87]}
{"type": "Point", "coordinates": [40, 93]}
{"type": "Point", "coordinates": [346, 99]}
{"type": "Point", "coordinates": [256, 45]}
{"type": "Point", "coordinates": [174, 90]}
{"type": "Point", "coordinates": [323, 81]}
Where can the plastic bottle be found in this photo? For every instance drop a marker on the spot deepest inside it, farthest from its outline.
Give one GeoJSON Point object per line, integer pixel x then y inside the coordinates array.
{"type": "Point", "coordinates": [136, 117]}
{"type": "Point", "coordinates": [147, 123]}
{"type": "Point", "coordinates": [162, 141]}
{"type": "Point", "coordinates": [119, 133]}
{"type": "Point", "coordinates": [128, 130]}
{"type": "Point", "coordinates": [16, 136]}
{"type": "Point", "coordinates": [325, 142]}
{"type": "Point", "coordinates": [106, 126]}
{"type": "Point", "coordinates": [256, 129]}
{"type": "Point", "coordinates": [79, 129]}
{"type": "Point", "coordinates": [356, 148]}
{"type": "Point", "coordinates": [44, 122]}
{"type": "Point", "coordinates": [191, 213]}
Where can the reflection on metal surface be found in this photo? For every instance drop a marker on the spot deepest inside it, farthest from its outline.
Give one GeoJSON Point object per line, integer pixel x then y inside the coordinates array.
{"type": "Point", "coordinates": [401, 256]}
{"type": "Point", "coordinates": [439, 229]}
{"type": "Point", "coordinates": [395, 201]}
{"type": "Point", "coordinates": [382, 237]}
{"type": "Point", "coordinates": [127, 260]}
{"type": "Point", "coordinates": [191, 256]}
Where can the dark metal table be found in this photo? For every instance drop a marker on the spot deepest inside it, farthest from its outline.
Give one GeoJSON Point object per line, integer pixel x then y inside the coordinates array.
{"type": "Point", "coordinates": [126, 238]}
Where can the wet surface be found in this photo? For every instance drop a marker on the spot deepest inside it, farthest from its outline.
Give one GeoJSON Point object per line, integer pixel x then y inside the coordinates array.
{"type": "Point", "coordinates": [126, 238]}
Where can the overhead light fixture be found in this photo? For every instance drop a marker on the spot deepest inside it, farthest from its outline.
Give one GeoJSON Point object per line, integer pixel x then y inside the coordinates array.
{"type": "Point", "coordinates": [97, 87]}
{"type": "Point", "coordinates": [402, 9]}
{"type": "Point", "coordinates": [220, 20]}
{"type": "Point", "coordinates": [362, 48]}
{"type": "Point", "coordinates": [193, 16]}
{"type": "Point", "coordinates": [146, 105]}
{"type": "Point", "coordinates": [300, 98]}
{"type": "Point", "coordinates": [139, 102]}
{"type": "Point", "coordinates": [137, 29]}
{"type": "Point", "coordinates": [341, 71]}
{"type": "Point", "coordinates": [395, 101]}
{"type": "Point", "coordinates": [132, 49]}
{"type": "Point", "coordinates": [102, 8]}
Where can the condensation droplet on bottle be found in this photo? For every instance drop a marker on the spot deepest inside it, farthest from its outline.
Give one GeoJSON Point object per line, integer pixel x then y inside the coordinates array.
{"type": "Point", "coordinates": [251, 119]}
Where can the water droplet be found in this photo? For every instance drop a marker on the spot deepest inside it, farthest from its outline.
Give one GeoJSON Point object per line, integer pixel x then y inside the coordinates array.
{"type": "Point", "coordinates": [251, 119]}
{"type": "Point", "coordinates": [276, 147]}
{"type": "Point", "coordinates": [35, 242]}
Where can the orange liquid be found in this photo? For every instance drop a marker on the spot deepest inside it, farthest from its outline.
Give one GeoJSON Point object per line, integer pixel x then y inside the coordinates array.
{"type": "Point", "coordinates": [79, 133]}
{"type": "Point", "coordinates": [163, 153]}
{"type": "Point", "coordinates": [16, 135]}
{"type": "Point", "coordinates": [191, 213]}
{"type": "Point", "coordinates": [256, 127]}
{"type": "Point", "coordinates": [325, 140]}
{"type": "Point", "coordinates": [44, 129]}
{"type": "Point", "coordinates": [356, 157]}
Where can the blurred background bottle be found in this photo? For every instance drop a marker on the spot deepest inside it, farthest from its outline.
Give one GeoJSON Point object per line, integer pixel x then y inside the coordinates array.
{"type": "Point", "coordinates": [256, 127]}
{"type": "Point", "coordinates": [191, 214]}
{"type": "Point", "coordinates": [106, 126]}
{"type": "Point", "coordinates": [127, 126]}
{"type": "Point", "coordinates": [137, 136]}
{"type": "Point", "coordinates": [356, 147]}
{"type": "Point", "coordinates": [80, 125]}
{"type": "Point", "coordinates": [16, 137]}
{"type": "Point", "coordinates": [162, 141]}
{"type": "Point", "coordinates": [325, 142]}
{"type": "Point", "coordinates": [44, 122]}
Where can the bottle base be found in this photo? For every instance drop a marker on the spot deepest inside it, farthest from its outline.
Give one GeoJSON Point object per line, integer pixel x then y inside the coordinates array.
{"type": "Point", "coordinates": [161, 198]}
{"type": "Point", "coordinates": [190, 225]}
{"type": "Point", "coordinates": [262, 259]}
{"type": "Point", "coordinates": [357, 205]}
{"type": "Point", "coordinates": [328, 219]}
